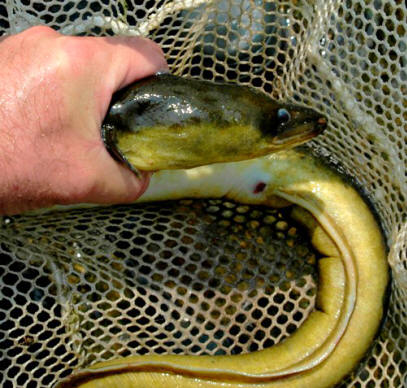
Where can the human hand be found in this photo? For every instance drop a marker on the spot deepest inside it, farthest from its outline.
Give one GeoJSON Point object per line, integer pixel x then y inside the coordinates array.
{"type": "Point", "coordinates": [54, 93]}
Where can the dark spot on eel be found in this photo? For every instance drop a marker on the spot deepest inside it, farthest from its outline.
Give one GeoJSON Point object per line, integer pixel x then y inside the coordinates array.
{"type": "Point", "coordinates": [259, 188]}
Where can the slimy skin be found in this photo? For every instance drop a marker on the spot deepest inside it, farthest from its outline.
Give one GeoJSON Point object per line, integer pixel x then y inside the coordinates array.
{"type": "Point", "coordinates": [169, 122]}
{"type": "Point", "coordinates": [353, 277]}
{"type": "Point", "coordinates": [172, 124]}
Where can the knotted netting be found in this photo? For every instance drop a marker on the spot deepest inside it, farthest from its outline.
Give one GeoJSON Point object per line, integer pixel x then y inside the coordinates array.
{"type": "Point", "coordinates": [95, 284]}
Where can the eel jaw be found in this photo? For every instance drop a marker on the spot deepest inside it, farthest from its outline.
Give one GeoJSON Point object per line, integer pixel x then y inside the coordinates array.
{"type": "Point", "coordinates": [109, 139]}
{"type": "Point", "coordinates": [301, 132]}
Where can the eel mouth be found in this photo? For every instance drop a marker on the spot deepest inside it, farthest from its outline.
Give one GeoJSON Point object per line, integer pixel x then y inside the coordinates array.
{"type": "Point", "coordinates": [109, 137]}
{"type": "Point", "coordinates": [301, 132]}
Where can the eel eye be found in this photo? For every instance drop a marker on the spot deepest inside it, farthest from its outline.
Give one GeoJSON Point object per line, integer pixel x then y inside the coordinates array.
{"type": "Point", "coordinates": [283, 116]}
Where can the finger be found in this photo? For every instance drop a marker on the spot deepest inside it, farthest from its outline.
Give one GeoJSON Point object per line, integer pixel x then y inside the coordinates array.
{"type": "Point", "coordinates": [120, 60]}
{"type": "Point", "coordinates": [122, 187]}
{"type": "Point", "coordinates": [115, 183]}
{"type": "Point", "coordinates": [133, 58]}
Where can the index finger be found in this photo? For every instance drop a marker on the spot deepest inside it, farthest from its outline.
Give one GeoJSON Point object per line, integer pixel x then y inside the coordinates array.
{"type": "Point", "coordinates": [134, 58]}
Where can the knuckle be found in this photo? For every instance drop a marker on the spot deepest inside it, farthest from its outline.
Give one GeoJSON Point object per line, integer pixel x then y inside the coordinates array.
{"type": "Point", "coordinates": [80, 51]}
{"type": "Point", "coordinates": [137, 43]}
{"type": "Point", "coordinates": [150, 45]}
{"type": "Point", "coordinates": [40, 29]}
{"type": "Point", "coordinates": [156, 52]}
{"type": "Point", "coordinates": [153, 45]}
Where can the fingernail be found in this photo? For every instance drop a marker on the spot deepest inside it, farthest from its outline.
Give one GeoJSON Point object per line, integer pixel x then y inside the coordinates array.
{"type": "Point", "coordinates": [163, 71]}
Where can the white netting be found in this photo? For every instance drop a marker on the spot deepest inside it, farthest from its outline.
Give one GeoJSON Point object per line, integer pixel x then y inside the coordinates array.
{"type": "Point", "coordinates": [346, 58]}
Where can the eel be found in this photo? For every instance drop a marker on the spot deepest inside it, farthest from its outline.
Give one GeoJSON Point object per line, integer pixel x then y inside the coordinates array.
{"type": "Point", "coordinates": [168, 122]}
{"type": "Point", "coordinates": [353, 271]}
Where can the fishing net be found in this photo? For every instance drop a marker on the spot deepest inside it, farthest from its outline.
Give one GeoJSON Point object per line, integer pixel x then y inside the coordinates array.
{"type": "Point", "coordinates": [213, 276]}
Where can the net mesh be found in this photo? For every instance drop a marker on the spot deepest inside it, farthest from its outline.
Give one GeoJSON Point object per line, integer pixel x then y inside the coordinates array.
{"type": "Point", "coordinates": [85, 286]}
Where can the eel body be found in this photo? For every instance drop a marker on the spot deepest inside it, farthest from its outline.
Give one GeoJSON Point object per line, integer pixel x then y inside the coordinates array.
{"type": "Point", "coordinates": [171, 124]}
{"type": "Point", "coordinates": [353, 276]}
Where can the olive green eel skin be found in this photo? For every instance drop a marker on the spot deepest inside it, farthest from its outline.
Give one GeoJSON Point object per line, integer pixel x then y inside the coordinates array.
{"type": "Point", "coordinates": [353, 276]}
{"type": "Point", "coordinates": [166, 122]}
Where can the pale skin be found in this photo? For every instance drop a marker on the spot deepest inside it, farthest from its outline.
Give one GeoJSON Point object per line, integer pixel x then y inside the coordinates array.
{"type": "Point", "coordinates": [54, 93]}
